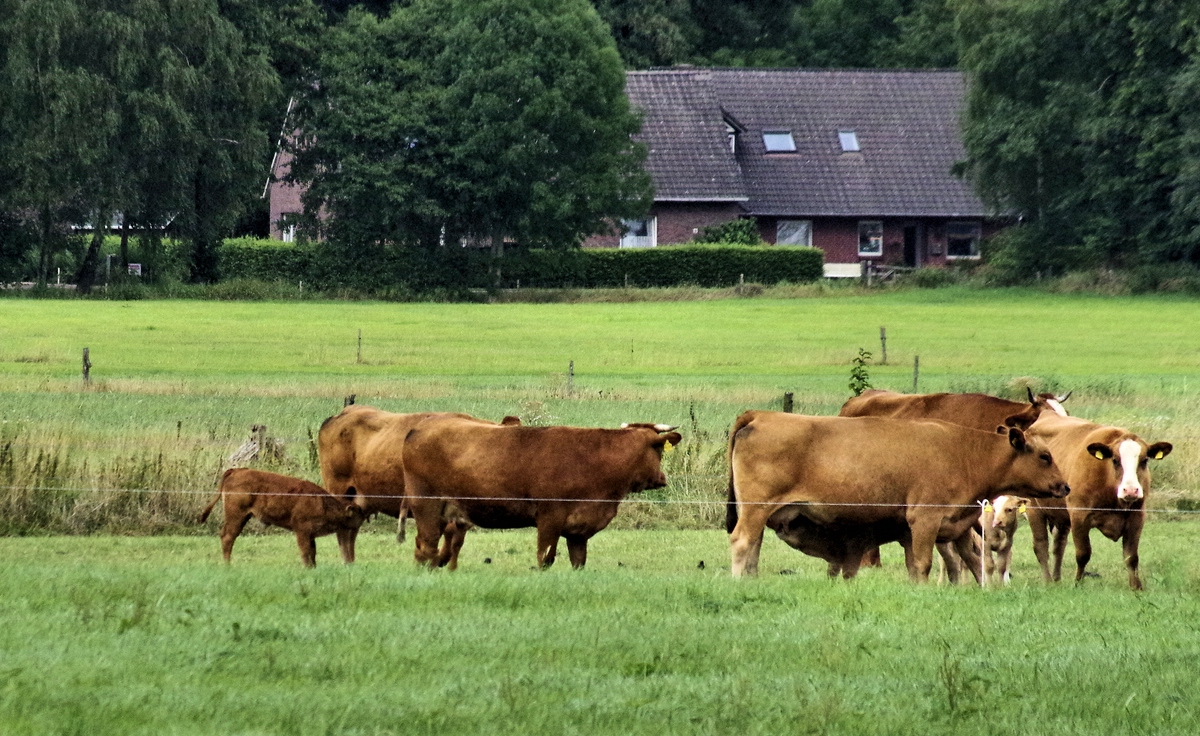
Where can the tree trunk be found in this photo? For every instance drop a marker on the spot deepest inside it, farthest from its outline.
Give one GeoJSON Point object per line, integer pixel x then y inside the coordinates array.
{"type": "Point", "coordinates": [85, 278]}
{"type": "Point", "coordinates": [497, 257]}
{"type": "Point", "coordinates": [124, 243]}
{"type": "Point", "coordinates": [43, 270]}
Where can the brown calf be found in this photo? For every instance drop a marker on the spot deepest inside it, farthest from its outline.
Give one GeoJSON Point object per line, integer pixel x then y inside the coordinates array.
{"type": "Point", "coordinates": [1000, 523]}
{"type": "Point", "coordinates": [298, 505]}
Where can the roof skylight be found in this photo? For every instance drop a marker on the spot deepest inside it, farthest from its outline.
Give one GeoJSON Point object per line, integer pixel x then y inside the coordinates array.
{"type": "Point", "coordinates": [778, 141]}
{"type": "Point", "coordinates": [849, 141]}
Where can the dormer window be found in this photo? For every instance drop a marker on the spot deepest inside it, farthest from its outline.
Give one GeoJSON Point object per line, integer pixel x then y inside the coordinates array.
{"type": "Point", "coordinates": [849, 141]}
{"type": "Point", "coordinates": [731, 134]}
{"type": "Point", "coordinates": [779, 141]}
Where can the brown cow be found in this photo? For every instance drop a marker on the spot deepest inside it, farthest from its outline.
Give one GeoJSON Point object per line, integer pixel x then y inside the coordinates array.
{"type": "Point", "coordinates": [566, 481]}
{"type": "Point", "coordinates": [977, 411]}
{"type": "Point", "coordinates": [1108, 469]}
{"type": "Point", "coordinates": [303, 507]}
{"type": "Point", "coordinates": [852, 473]}
{"type": "Point", "coordinates": [361, 451]}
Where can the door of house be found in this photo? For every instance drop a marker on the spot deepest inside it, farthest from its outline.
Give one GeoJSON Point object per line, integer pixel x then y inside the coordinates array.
{"type": "Point", "coordinates": [912, 246]}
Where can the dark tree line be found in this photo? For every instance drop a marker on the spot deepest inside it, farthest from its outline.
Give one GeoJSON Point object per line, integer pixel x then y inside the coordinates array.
{"type": "Point", "coordinates": [424, 121]}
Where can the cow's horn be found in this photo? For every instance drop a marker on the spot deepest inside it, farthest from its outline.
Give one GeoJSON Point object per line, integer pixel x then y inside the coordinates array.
{"type": "Point", "coordinates": [660, 428]}
{"type": "Point", "coordinates": [1064, 397]}
{"type": "Point", "coordinates": [624, 425]}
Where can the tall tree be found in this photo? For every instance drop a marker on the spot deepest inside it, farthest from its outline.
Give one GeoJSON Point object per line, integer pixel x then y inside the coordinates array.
{"type": "Point", "coordinates": [1069, 124]}
{"type": "Point", "coordinates": [495, 119]}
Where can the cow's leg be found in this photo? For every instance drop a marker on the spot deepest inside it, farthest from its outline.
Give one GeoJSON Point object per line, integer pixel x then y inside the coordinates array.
{"type": "Point", "coordinates": [1038, 529]}
{"type": "Point", "coordinates": [308, 548]}
{"type": "Point", "coordinates": [951, 563]}
{"type": "Point", "coordinates": [455, 534]}
{"type": "Point", "coordinates": [1005, 560]}
{"type": "Point", "coordinates": [964, 545]}
{"type": "Point", "coordinates": [548, 533]}
{"type": "Point", "coordinates": [430, 525]}
{"type": "Point", "coordinates": [1129, 545]}
{"type": "Point", "coordinates": [577, 549]}
{"type": "Point", "coordinates": [346, 538]}
{"type": "Point", "coordinates": [229, 533]}
{"type": "Point", "coordinates": [853, 559]}
{"type": "Point", "coordinates": [1083, 548]}
{"type": "Point", "coordinates": [1060, 549]}
{"type": "Point", "coordinates": [924, 528]}
{"type": "Point", "coordinates": [871, 558]}
{"type": "Point", "coordinates": [745, 542]}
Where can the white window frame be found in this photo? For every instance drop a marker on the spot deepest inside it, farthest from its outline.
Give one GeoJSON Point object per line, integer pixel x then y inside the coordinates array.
{"type": "Point", "coordinates": [876, 250]}
{"type": "Point", "coordinates": [974, 230]}
{"type": "Point", "coordinates": [781, 225]}
{"type": "Point", "coordinates": [849, 140]}
{"type": "Point", "coordinates": [782, 145]}
{"type": "Point", "coordinates": [649, 240]}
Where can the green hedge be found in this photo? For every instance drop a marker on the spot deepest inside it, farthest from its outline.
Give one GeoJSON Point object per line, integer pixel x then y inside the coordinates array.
{"type": "Point", "coordinates": [701, 265]}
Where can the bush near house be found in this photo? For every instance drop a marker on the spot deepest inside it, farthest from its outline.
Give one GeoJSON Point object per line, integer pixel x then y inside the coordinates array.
{"type": "Point", "coordinates": [701, 265]}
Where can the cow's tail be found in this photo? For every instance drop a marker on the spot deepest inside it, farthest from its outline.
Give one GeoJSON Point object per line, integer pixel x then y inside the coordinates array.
{"type": "Point", "coordinates": [203, 517]}
{"type": "Point", "coordinates": [400, 521]}
{"type": "Point", "coordinates": [731, 512]}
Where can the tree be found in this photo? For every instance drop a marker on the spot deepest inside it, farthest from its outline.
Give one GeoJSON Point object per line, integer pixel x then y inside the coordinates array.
{"type": "Point", "coordinates": [495, 120]}
{"type": "Point", "coordinates": [1070, 126]}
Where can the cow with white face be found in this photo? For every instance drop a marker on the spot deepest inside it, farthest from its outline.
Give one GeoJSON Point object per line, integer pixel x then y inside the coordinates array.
{"type": "Point", "coordinates": [1000, 523]}
{"type": "Point", "coordinates": [1108, 470]}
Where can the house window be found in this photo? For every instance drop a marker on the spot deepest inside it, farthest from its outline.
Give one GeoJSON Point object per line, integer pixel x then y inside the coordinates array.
{"type": "Point", "coordinates": [793, 232]}
{"type": "Point", "coordinates": [778, 141]}
{"type": "Point", "coordinates": [962, 239]}
{"type": "Point", "coordinates": [870, 238]}
{"type": "Point", "coordinates": [849, 141]}
{"type": "Point", "coordinates": [287, 228]}
{"type": "Point", "coordinates": [640, 233]}
{"type": "Point", "coordinates": [731, 134]}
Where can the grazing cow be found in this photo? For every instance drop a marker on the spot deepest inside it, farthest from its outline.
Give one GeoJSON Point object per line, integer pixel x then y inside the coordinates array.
{"type": "Point", "coordinates": [303, 507]}
{"type": "Point", "coordinates": [566, 481]}
{"type": "Point", "coordinates": [860, 477]}
{"type": "Point", "coordinates": [977, 411]}
{"type": "Point", "coordinates": [361, 451]}
{"type": "Point", "coordinates": [1108, 469]}
{"type": "Point", "coordinates": [1000, 522]}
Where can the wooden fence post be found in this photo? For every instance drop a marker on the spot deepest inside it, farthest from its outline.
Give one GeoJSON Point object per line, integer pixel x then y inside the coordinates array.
{"type": "Point", "coordinates": [359, 360]}
{"type": "Point", "coordinates": [788, 397]}
{"type": "Point", "coordinates": [916, 371]}
{"type": "Point", "coordinates": [883, 344]}
{"type": "Point", "coordinates": [571, 378]}
{"type": "Point", "coordinates": [87, 367]}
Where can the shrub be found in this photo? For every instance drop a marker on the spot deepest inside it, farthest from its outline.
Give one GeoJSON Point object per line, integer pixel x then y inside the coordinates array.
{"type": "Point", "coordinates": [734, 232]}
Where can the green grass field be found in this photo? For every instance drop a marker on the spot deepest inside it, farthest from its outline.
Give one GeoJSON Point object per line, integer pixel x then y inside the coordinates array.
{"type": "Point", "coordinates": [154, 635]}
{"type": "Point", "coordinates": [107, 633]}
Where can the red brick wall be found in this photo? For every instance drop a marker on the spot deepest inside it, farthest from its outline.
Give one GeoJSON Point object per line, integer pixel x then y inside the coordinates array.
{"type": "Point", "coordinates": [678, 222]}
{"type": "Point", "coordinates": [283, 198]}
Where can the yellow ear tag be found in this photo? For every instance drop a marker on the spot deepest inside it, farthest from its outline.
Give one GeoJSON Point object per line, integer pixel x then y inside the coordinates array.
{"type": "Point", "coordinates": [1021, 509]}
{"type": "Point", "coordinates": [1158, 455]}
{"type": "Point", "coordinates": [987, 506]}
{"type": "Point", "coordinates": [1099, 455]}
{"type": "Point", "coordinates": [667, 447]}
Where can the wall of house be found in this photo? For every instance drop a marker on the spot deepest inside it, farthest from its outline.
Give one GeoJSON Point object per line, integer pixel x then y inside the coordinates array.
{"type": "Point", "coordinates": [284, 198]}
{"type": "Point", "coordinates": [678, 222]}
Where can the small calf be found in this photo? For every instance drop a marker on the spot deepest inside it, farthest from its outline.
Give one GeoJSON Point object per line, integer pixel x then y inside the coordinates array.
{"type": "Point", "coordinates": [1000, 523]}
{"type": "Point", "coordinates": [298, 505]}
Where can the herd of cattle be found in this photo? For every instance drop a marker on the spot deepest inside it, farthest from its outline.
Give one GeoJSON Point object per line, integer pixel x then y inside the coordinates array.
{"type": "Point", "coordinates": [920, 470]}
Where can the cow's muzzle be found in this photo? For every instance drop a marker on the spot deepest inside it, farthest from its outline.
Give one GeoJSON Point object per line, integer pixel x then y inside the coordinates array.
{"type": "Point", "coordinates": [1060, 490]}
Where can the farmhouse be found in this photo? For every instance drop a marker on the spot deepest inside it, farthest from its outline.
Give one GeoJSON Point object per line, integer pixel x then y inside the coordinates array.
{"type": "Point", "coordinates": [854, 162]}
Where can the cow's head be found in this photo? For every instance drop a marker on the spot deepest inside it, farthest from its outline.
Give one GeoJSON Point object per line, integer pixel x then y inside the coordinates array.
{"type": "Point", "coordinates": [1006, 512]}
{"type": "Point", "coordinates": [1128, 459]}
{"type": "Point", "coordinates": [1032, 471]}
{"type": "Point", "coordinates": [1048, 402]}
{"type": "Point", "coordinates": [654, 440]}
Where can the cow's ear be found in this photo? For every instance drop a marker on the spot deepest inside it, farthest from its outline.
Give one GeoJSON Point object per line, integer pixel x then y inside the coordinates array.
{"type": "Point", "coordinates": [1020, 421]}
{"type": "Point", "coordinates": [510, 421]}
{"type": "Point", "coordinates": [1032, 398]}
{"type": "Point", "coordinates": [668, 440]}
{"type": "Point", "coordinates": [1016, 438]}
{"type": "Point", "coordinates": [1100, 451]}
{"type": "Point", "coordinates": [1159, 450]}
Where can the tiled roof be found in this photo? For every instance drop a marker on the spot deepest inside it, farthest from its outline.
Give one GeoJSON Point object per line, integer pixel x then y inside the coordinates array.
{"type": "Point", "coordinates": [689, 158]}
{"type": "Point", "coordinates": [906, 121]}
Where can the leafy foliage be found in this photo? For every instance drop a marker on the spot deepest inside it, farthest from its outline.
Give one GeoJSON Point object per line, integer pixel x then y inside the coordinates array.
{"type": "Point", "coordinates": [860, 375]}
{"type": "Point", "coordinates": [491, 121]}
{"type": "Point", "coordinates": [743, 231]}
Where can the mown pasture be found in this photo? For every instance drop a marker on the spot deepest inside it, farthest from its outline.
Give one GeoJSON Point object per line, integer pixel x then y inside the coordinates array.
{"type": "Point", "coordinates": [127, 634]}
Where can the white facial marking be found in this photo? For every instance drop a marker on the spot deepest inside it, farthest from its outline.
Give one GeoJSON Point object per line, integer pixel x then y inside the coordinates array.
{"type": "Point", "coordinates": [1056, 407]}
{"type": "Point", "coordinates": [998, 513]}
{"type": "Point", "coordinates": [1130, 487]}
